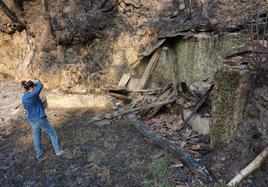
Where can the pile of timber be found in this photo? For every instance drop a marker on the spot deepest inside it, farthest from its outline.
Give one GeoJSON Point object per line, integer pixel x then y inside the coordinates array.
{"type": "Point", "coordinates": [175, 134]}
{"type": "Point", "coordinates": [148, 103]}
{"type": "Point", "coordinates": [186, 144]}
{"type": "Point", "coordinates": [180, 139]}
{"type": "Point", "coordinates": [142, 106]}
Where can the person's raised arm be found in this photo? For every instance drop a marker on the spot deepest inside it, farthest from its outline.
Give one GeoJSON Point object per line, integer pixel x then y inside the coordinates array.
{"type": "Point", "coordinates": [38, 87]}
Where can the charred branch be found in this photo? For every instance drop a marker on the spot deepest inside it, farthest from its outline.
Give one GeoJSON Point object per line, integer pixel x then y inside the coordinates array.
{"type": "Point", "coordinates": [184, 156]}
{"type": "Point", "coordinates": [11, 15]}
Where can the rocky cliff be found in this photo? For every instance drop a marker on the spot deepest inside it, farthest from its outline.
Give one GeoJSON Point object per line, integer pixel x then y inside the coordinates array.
{"type": "Point", "coordinates": [78, 45]}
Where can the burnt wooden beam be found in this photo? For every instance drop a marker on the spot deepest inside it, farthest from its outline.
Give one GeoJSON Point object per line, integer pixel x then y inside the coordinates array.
{"type": "Point", "coordinates": [199, 104]}
{"type": "Point", "coordinates": [183, 155]}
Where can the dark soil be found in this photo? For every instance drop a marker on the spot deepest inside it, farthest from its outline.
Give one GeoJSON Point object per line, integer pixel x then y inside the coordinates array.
{"type": "Point", "coordinates": [248, 141]}
{"type": "Point", "coordinates": [114, 153]}
{"type": "Point", "coordinates": [107, 155]}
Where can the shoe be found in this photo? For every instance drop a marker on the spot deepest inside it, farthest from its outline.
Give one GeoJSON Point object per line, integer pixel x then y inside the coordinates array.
{"type": "Point", "coordinates": [60, 152]}
{"type": "Point", "coordinates": [38, 157]}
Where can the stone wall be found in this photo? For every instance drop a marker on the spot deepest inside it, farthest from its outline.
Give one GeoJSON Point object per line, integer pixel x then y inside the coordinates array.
{"type": "Point", "coordinates": [196, 60]}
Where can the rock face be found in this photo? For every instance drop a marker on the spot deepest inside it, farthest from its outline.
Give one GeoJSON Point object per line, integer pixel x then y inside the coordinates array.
{"type": "Point", "coordinates": [77, 101]}
{"type": "Point", "coordinates": [15, 54]}
{"type": "Point", "coordinates": [78, 45]}
{"type": "Point", "coordinates": [11, 109]}
{"type": "Point", "coordinates": [198, 123]}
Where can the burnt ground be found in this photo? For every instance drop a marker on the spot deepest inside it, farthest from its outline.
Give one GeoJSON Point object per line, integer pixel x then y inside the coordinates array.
{"type": "Point", "coordinates": [98, 155]}
{"type": "Point", "coordinates": [101, 154]}
{"type": "Point", "coordinates": [107, 153]}
{"type": "Point", "coordinates": [227, 160]}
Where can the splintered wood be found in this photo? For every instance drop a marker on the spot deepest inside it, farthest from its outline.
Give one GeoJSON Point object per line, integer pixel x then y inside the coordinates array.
{"type": "Point", "coordinates": [149, 69]}
{"type": "Point", "coordinates": [166, 129]}
{"type": "Point", "coordinates": [166, 124]}
{"type": "Point", "coordinates": [167, 95]}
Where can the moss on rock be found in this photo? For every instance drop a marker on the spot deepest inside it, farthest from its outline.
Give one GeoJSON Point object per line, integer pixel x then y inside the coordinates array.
{"type": "Point", "coordinates": [226, 84]}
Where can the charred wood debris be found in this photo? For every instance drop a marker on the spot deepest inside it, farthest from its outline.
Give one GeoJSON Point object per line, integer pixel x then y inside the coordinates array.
{"type": "Point", "coordinates": [159, 114]}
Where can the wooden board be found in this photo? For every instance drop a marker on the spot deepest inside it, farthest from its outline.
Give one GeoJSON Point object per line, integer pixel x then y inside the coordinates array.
{"type": "Point", "coordinates": [149, 69]}
{"type": "Point", "coordinates": [124, 80]}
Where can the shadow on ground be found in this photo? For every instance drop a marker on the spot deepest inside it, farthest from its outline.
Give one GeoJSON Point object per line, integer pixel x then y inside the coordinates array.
{"type": "Point", "coordinates": [114, 154]}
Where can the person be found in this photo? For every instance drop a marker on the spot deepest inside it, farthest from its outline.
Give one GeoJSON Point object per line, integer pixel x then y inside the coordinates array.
{"type": "Point", "coordinates": [37, 117]}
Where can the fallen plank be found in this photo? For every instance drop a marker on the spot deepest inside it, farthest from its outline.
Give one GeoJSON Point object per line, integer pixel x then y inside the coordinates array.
{"type": "Point", "coordinates": [146, 91]}
{"type": "Point", "coordinates": [184, 156]}
{"type": "Point", "coordinates": [125, 91]}
{"type": "Point", "coordinates": [124, 80]}
{"type": "Point", "coordinates": [122, 91]}
{"type": "Point", "coordinates": [235, 61]}
{"type": "Point", "coordinates": [196, 108]}
{"type": "Point", "coordinates": [151, 49]}
{"type": "Point", "coordinates": [149, 69]}
{"type": "Point", "coordinates": [256, 163]}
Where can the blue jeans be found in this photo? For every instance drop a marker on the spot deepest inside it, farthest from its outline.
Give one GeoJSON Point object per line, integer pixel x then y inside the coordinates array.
{"type": "Point", "coordinates": [44, 124]}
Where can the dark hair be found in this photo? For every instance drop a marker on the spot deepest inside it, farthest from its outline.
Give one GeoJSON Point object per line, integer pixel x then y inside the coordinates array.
{"type": "Point", "coordinates": [27, 85]}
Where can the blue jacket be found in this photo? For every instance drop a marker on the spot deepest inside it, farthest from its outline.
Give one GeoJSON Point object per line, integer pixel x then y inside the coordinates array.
{"type": "Point", "coordinates": [33, 104]}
